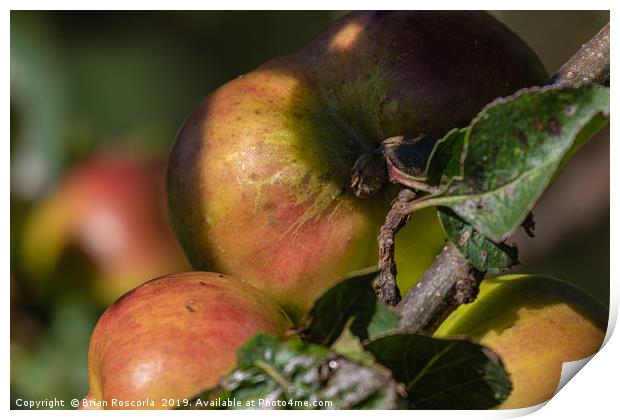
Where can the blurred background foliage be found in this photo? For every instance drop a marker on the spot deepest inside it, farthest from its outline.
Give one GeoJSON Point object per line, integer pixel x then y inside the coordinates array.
{"type": "Point", "coordinates": [96, 100]}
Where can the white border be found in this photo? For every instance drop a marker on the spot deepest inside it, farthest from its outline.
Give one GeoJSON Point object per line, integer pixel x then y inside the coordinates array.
{"type": "Point", "coordinates": [593, 394]}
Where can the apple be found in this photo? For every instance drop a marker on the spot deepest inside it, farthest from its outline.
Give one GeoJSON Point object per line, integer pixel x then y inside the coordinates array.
{"type": "Point", "coordinates": [175, 336]}
{"type": "Point", "coordinates": [535, 324]}
{"type": "Point", "coordinates": [259, 176]}
{"type": "Point", "coordinates": [112, 208]}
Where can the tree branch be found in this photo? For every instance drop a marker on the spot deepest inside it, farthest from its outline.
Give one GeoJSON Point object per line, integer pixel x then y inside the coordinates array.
{"type": "Point", "coordinates": [589, 65]}
{"type": "Point", "coordinates": [450, 281]}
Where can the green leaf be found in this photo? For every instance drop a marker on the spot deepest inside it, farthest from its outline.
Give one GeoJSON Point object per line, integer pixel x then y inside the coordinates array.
{"type": "Point", "coordinates": [514, 148]}
{"type": "Point", "coordinates": [350, 346]}
{"type": "Point", "coordinates": [589, 131]}
{"type": "Point", "coordinates": [446, 159]}
{"type": "Point", "coordinates": [271, 373]}
{"type": "Point", "coordinates": [482, 253]}
{"type": "Point", "coordinates": [446, 163]}
{"type": "Point", "coordinates": [383, 320]}
{"type": "Point", "coordinates": [351, 299]}
{"type": "Point", "coordinates": [443, 374]}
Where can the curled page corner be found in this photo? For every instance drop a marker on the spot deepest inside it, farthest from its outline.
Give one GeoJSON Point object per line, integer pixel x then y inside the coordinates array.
{"type": "Point", "coordinates": [611, 323]}
{"type": "Point", "coordinates": [570, 369]}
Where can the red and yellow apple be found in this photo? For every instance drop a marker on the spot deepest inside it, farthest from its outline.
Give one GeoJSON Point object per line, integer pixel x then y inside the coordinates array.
{"type": "Point", "coordinates": [112, 208]}
{"type": "Point", "coordinates": [259, 176]}
{"type": "Point", "coordinates": [175, 336]}
{"type": "Point", "coordinates": [535, 324]}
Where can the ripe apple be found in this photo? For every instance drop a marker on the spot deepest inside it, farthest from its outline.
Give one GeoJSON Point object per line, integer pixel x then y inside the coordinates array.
{"type": "Point", "coordinates": [259, 176]}
{"type": "Point", "coordinates": [535, 324]}
{"type": "Point", "coordinates": [112, 208]}
{"type": "Point", "coordinates": [175, 336]}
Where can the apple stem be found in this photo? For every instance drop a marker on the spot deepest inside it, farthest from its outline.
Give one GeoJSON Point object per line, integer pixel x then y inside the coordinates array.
{"type": "Point", "coordinates": [385, 284]}
{"type": "Point", "coordinates": [398, 160]}
{"type": "Point", "coordinates": [368, 174]}
{"type": "Point", "coordinates": [450, 281]}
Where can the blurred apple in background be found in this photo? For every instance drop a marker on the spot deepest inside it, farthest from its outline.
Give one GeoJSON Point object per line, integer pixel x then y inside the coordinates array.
{"type": "Point", "coordinates": [100, 231]}
{"type": "Point", "coordinates": [84, 81]}
{"type": "Point", "coordinates": [110, 209]}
